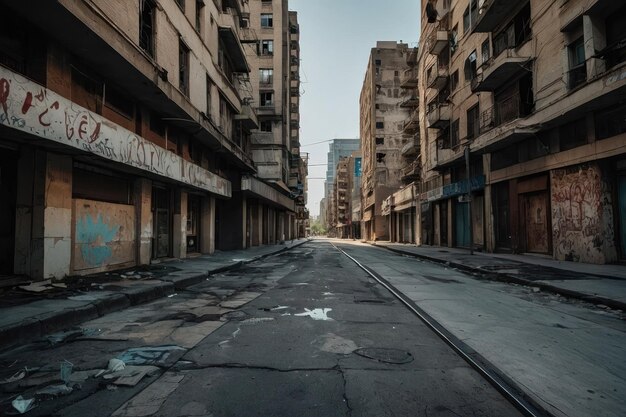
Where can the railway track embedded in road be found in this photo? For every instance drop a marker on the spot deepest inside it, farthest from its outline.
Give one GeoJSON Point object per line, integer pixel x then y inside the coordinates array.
{"type": "Point", "coordinates": [513, 394]}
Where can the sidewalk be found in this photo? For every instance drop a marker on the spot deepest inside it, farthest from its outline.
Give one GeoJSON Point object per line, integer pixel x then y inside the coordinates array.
{"type": "Point", "coordinates": [597, 284]}
{"type": "Point", "coordinates": [30, 312]}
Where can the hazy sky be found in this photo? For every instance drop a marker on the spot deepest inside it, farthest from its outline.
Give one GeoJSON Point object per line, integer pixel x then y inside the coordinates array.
{"type": "Point", "coordinates": [335, 41]}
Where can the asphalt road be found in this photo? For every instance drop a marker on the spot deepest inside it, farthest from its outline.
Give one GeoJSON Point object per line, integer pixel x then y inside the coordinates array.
{"type": "Point", "coordinates": [304, 333]}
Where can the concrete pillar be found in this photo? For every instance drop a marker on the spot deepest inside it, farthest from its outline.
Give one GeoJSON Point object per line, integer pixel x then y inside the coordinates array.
{"type": "Point", "coordinates": [594, 40]}
{"type": "Point", "coordinates": [244, 223]}
{"type": "Point", "coordinates": [490, 230]}
{"type": "Point", "coordinates": [51, 245]}
{"type": "Point", "coordinates": [179, 229]}
{"type": "Point", "coordinates": [207, 225]}
{"type": "Point", "coordinates": [145, 229]}
{"type": "Point", "coordinates": [24, 212]}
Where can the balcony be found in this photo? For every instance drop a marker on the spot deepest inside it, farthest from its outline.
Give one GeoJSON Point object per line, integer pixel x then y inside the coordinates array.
{"type": "Point", "coordinates": [437, 76]}
{"type": "Point", "coordinates": [502, 112]}
{"type": "Point", "coordinates": [409, 78]}
{"type": "Point", "coordinates": [412, 57]}
{"type": "Point", "coordinates": [412, 171]}
{"type": "Point", "coordinates": [497, 71]}
{"type": "Point", "coordinates": [235, 51]}
{"type": "Point", "coordinates": [412, 124]}
{"type": "Point", "coordinates": [411, 148]}
{"type": "Point", "coordinates": [437, 41]}
{"type": "Point", "coordinates": [438, 115]}
{"type": "Point", "coordinates": [492, 13]}
{"type": "Point", "coordinates": [447, 154]}
{"type": "Point", "coordinates": [247, 117]}
{"type": "Point", "coordinates": [412, 102]}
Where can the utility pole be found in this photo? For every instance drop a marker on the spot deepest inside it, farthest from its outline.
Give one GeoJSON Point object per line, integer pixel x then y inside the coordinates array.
{"type": "Point", "coordinates": [469, 198]}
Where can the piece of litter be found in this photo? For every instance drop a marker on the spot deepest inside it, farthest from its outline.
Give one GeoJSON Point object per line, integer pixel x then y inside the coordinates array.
{"type": "Point", "coordinates": [21, 405]}
{"type": "Point", "coordinates": [114, 365]}
{"type": "Point", "coordinates": [148, 355]}
{"type": "Point", "coordinates": [279, 308]}
{"type": "Point", "coordinates": [172, 295]}
{"type": "Point", "coordinates": [111, 387]}
{"type": "Point", "coordinates": [55, 390]}
{"type": "Point", "coordinates": [66, 370]}
{"type": "Point", "coordinates": [236, 332]}
{"type": "Point", "coordinates": [316, 314]}
{"type": "Point", "coordinates": [15, 377]}
{"type": "Point", "coordinates": [256, 320]}
{"type": "Point", "coordinates": [133, 374]}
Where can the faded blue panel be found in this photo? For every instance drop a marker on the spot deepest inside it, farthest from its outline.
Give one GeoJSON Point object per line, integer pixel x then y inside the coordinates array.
{"type": "Point", "coordinates": [94, 238]}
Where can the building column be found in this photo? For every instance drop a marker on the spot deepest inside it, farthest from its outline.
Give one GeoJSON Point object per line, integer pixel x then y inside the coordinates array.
{"type": "Point", "coordinates": [244, 222]}
{"type": "Point", "coordinates": [145, 230]}
{"type": "Point", "coordinates": [179, 228]}
{"type": "Point", "coordinates": [51, 235]}
{"type": "Point", "coordinates": [207, 225]}
{"type": "Point", "coordinates": [24, 212]}
{"type": "Point", "coordinates": [594, 40]}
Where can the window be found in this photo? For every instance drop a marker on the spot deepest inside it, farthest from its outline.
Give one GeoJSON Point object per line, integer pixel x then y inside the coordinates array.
{"type": "Point", "coordinates": [453, 39]}
{"type": "Point", "coordinates": [610, 122]}
{"type": "Point", "coordinates": [470, 16]}
{"type": "Point", "coordinates": [380, 125]}
{"type": "Point", "coordinates": [396, 73]}
{"type": "Point", "coordinates": [470, 66]}
{"type": "Point", "coordinates": [209, 87]}
{"type": "Point", "coordinates": [473, 122]}
{"type": "Point", "coordinates": [615, 27]}
{"type": "Point", "coordinates": [267, 98]}
{"type": "Point", "coordinates": [454, 133]}
{"type": "Point", "coordinates": [378, 62]}
{"type": "Point", "coordinates": [377, 106]}
{"type": "Point", "coordinates": [454, 80]}
{"type": "Point", "coordinates": [183, 68]}
{"type": "Point", "coordinates": [156, 125]}
{"type": "Point", "coordinates": [573, 134]}
{"type": "Point", "coordinates": [181, 4]}
{"type": "Point", "coordinates": [119, 103]}
{"type": "Point", "coordinates": [267, 47]}
{"type": "Point", "coordinates": [146, 26]}
{"type": "Point", "coordinates": [267, 20]}
{"type": "Point", "coordinates": [380, 157]}
{"type": "Point", "coordinates": [380, 141]}
{"type": "Point", "coordinates": [86, 91]}
{"type": "Point", "coordinates": [199, 7]}
{"type": "Point", "coordinates": [226, 117]}
{"type": "Point", "coordinates": [485, 55]}
{"type": "Point", "coordinates": [395, 93]}
{"type": "Point", "coordinates": [578, 71]}
{"type": "Point", "coordinates": [266, 75]}
{"type": "Point", "coordinates": [266, 126]}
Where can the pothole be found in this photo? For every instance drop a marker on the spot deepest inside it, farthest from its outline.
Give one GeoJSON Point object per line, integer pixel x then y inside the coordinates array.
{"type": "Point", "coordinates": [385, 355]}
{"type": "Point", "coordinates": [236, 315]}
{"type": "Point", "coordinates": [370, 301]}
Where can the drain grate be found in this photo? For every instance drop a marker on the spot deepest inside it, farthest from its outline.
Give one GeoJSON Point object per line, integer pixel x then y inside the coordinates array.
{"type": "Point", "coordinates": [384, 355]}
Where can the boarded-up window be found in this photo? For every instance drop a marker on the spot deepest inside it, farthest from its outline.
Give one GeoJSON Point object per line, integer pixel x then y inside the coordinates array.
{"type": "Point", "coordinates": [94, 184]}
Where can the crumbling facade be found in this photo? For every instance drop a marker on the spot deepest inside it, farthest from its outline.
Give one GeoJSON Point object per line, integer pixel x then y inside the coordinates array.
{"type": "Point", "coordinates": [126, 136]}
{"type": "Point", "coordinates": [382, 126]}
{"type": "Point", "coordinates": [543, 132]}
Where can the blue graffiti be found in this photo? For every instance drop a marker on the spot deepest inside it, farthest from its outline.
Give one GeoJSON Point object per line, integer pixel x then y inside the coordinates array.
{"type": "Point", "coordinates": [94, 239]}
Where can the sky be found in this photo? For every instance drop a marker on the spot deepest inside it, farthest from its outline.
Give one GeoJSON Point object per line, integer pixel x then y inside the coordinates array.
{"type": "Point", "coordinates": [336, 37]}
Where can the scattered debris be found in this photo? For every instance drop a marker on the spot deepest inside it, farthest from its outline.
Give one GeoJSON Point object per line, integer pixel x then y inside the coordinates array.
{"type": "Point", "coordinates": [15, 377]}
{"type": "Point", "coordinates": [22, 405]}
{"type": "Point", "coordinates": [316, 314]}
{"type": "Point", "coordinates": [114, 365]}
{"type": "Point", "coordinates": [535, 289]}
{"type": "Point", "coordinates": [257, 320]}
{"type": "Point", "coordinates": [55, 390]}
{"type": "Point", "coordinates": [69, 335]}
{"type": "Point", "coordinates": [279, 308]}
{"type": "Point", "coordinates": [131, 375]}
{"type": "Point", "coordinates": [148, 355]}
{"type": "Point", "coordinates": [66, 370]}
{"type": "Point", "coordinates": [172, 295]}
{"type": "Point", "coordinates": [39, 286]}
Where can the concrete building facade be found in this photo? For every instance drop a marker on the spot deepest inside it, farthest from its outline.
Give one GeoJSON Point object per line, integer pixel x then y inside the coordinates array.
{"type": "Point", "coordinates": [337, 149]}
{"type": "Point", "coordinates": [543, 132]}
{"type": "Point", "coordinates": [382, 126]}
{"type": "Point", "coordinates": [125, 135]}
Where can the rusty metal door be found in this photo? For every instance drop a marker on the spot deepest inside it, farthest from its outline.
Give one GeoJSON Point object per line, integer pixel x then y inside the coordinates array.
{"type": "Point", "coordinates": [536, 221]}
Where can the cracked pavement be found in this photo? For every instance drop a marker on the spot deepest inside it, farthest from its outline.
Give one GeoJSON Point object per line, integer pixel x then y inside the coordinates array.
{"type": "Point", "coordinates": [274, 338]}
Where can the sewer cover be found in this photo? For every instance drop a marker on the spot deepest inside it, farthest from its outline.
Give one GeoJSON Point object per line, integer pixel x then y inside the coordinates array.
{"type": "Point", "coordinates": [385, 355]}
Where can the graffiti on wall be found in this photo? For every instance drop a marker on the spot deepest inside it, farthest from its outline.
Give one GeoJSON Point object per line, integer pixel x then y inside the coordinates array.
{"type": "Point", "coordinates": [104, 235]}
{"type": "Point", "coordinates": [582, 215]}
{"type": "Point", "coordinates": [31, 108]}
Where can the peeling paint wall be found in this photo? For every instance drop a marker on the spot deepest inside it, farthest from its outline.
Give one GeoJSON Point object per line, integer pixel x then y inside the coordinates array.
{"type": "Point", "coordinates": [104, 236]}
{"type": "Point", "coordinates": [582, 215]}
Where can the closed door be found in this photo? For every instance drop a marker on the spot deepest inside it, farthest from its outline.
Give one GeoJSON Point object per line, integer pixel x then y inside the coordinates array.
{"type": "Point", "coordinates": [462, 225]}
{"type": "Point", "coordinates": [536, 221]}
{"type": "Point", "coordinates": [162, 222]}
{"type": "Point", "coordinates": [622, 213]}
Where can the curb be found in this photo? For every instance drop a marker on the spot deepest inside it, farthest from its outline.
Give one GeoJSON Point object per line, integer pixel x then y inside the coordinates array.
{"type": "Point", "coordinates": [34, 328]}
{"type": "Point", "coordinates": [509, 278]}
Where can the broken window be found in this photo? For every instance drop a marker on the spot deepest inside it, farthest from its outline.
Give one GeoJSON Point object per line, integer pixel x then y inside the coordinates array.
{"type": "Point", "coordinates": [266, 126]}
{"type": "Point", "coordinates": [267, 98]}
{"type": "Point", "coordinates": [380, 141]}
{"type": "Point", "coordinates": [146, 26]}
{"type": "Point", "coordinates": [183, 68]}
{"type": "Point", "coordinates": [267, 47]}
{"type": "Point", "coordinates": [380, 157]}
{"type": "Point", "coordinates": [470, 66]}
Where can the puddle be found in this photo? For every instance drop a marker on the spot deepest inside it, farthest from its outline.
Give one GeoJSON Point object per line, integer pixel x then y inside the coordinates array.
{"type": "Point", "coordinates": [316, 314]}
